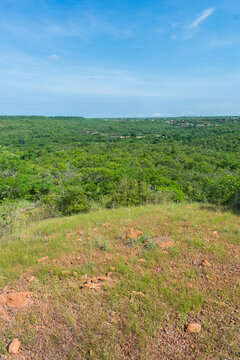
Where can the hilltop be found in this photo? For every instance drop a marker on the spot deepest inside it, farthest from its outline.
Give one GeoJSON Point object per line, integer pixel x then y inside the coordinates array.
{"type": "Point", "coordinates": [123, 284]}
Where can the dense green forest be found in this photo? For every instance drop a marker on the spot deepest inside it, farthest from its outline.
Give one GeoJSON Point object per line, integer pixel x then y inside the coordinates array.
{"type": "Point", "coordinates": [72, 164]}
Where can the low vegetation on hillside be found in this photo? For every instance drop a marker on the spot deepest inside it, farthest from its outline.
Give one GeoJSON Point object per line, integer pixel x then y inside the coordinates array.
{"type": "Point", "coordinates": [72, 165]}
{"type": "Point", "coordinates": [127, 283]}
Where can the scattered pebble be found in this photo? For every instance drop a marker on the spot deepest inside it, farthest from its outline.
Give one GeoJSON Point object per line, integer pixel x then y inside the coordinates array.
{"type": "Point", "coordinates": [14, 347]}
{"type": "Point", "coordinates": [206, 263]}
{"type": "Point", "coordinates": [32, 279]}
{"type": "Point", "coordinates": [194, 328]}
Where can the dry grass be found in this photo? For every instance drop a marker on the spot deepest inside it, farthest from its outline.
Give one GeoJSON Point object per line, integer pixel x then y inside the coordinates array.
{"type": "Point", "coordinates": [153, 293]}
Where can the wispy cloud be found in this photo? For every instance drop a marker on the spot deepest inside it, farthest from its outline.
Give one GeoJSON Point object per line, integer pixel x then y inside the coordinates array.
{"type": "Point", "coordinates": [204, 15]}
{"type": "Point", "coordinates": [54, 57]}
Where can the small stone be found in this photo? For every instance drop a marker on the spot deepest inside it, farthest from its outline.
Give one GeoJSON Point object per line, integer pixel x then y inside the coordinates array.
{"type": "Point", "coordinates": [32, 279]}
{"type": "Point", "coordinates": [206, 263]}
{"type": "Point", "coordinates": [43, 259]}
{"type": "Point", "coordinates": [194, 328]}
{"type": "Point", "coordinates": [14, 347]}
{"type": "Point", "coordinates": [215, 233]}
{"type": "Point", "coordinates": [141, 260]}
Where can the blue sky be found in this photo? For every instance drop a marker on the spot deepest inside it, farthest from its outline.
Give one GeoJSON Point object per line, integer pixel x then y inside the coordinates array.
{"type": "Point", "coordinates": [120, 58]}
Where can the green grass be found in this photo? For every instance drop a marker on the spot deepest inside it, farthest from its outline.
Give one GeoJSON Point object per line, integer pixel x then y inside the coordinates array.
{"type": "Point", "coordinates": [151, 290]}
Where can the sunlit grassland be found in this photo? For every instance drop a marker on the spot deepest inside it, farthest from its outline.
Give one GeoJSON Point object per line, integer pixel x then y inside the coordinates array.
{"type": "Point", "coordinates": [152, 289]}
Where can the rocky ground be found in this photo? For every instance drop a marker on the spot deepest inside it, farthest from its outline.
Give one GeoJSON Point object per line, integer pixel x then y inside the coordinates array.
{"type": "Point", "coordinates": [157, 282]}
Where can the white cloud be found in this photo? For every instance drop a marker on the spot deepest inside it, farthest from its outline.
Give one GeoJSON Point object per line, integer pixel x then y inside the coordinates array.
{"type": "Point", "coordinates": [54, 57]}
{"type": "Point", "coordinates": [205, 14]}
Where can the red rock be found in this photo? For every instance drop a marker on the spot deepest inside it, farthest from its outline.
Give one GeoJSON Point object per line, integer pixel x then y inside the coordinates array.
{"type": "Point", "coordinates": [194, 328]}
{"type": "Point", "coordinates": [206, 263]}
{"type": "Point", "coordinates": [32, 279]}
{"type": "Point", "coordinates": [14, 347]}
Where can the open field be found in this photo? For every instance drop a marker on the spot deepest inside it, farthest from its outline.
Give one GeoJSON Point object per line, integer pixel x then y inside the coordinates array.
{"type": "Point", "coordinates": [104, 290]}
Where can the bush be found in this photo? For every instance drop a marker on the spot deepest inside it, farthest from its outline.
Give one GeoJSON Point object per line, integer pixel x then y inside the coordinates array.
{"type": "Point", "coordinates": [71, 200]}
